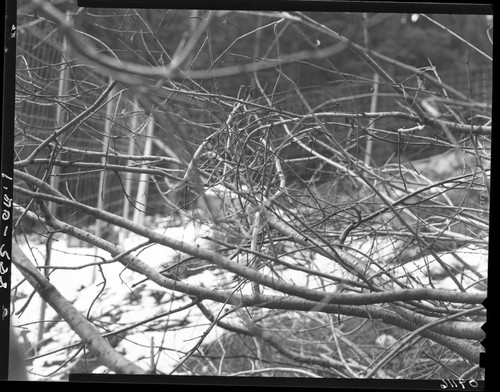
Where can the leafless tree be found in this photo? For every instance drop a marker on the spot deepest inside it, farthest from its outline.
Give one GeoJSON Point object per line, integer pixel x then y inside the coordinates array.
{"type": "Point", "coordinates": [323, 261]}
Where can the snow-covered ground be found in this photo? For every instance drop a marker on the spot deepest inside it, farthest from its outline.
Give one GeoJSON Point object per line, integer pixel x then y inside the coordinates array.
{"type": "Point", "coordinates": [119, 303]}
{"type": "Point", "coordinates": [114, 296]}
{"type": "Point", "coordinates": [469, 264]}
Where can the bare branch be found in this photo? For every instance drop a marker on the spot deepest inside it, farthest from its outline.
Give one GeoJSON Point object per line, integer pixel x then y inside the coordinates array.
{"type": "Point", "coordinates": [89, 335]}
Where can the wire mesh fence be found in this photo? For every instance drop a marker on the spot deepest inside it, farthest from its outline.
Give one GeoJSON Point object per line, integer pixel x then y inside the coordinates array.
{"type": "Point", "coordinates": [52, 90]}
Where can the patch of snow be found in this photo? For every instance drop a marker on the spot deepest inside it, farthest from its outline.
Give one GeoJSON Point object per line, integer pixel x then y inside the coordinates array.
{"type": "Point", "coordinates": [113, 298]}
{"type": "Point", "coordinates": [156, 255]}
{"type": "Point", "coordinates": [468, 264]}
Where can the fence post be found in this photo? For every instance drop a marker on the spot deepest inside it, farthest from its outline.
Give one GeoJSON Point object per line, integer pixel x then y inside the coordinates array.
{"type": "Point", "coordinates": [142, 190]}
{"type": "Point", "coordinates": [101, 192]}
{"type": "Point", "coordinates": [61, 118]}
{"type": "Point", "coordinates": [131, 147]}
